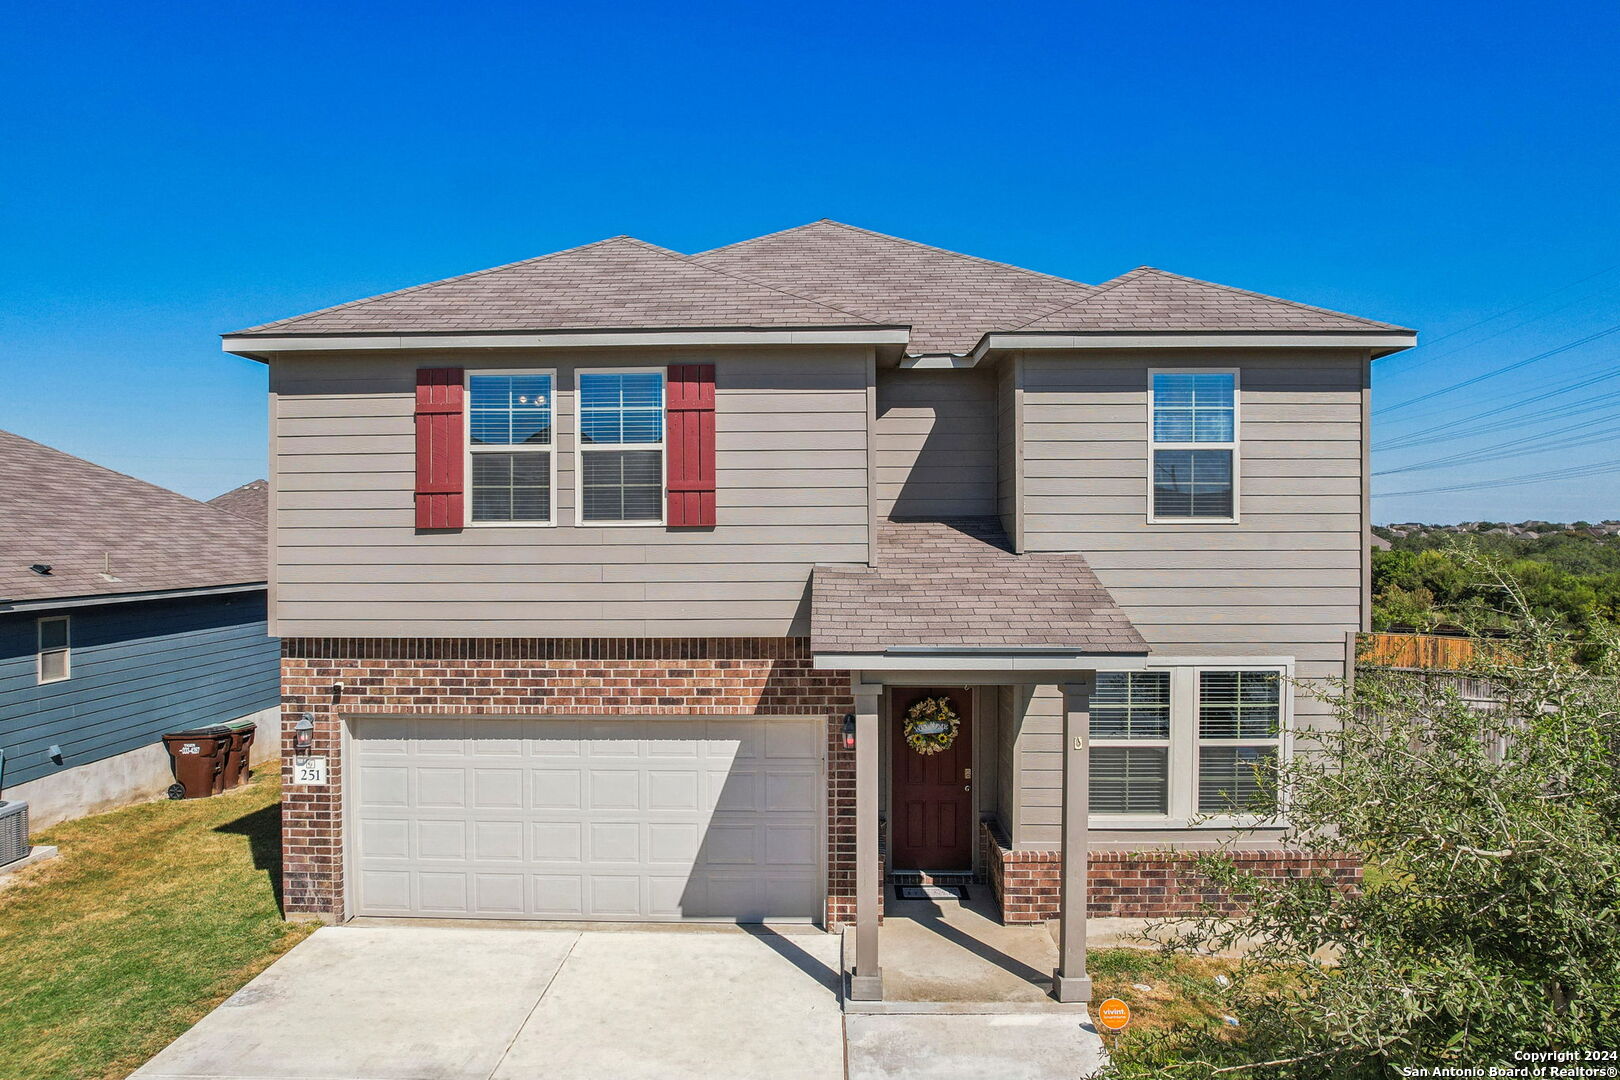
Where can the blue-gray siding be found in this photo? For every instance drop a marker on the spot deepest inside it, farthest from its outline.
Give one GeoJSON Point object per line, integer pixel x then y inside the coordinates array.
{"type": "Point", "coordinates": [138, 670]}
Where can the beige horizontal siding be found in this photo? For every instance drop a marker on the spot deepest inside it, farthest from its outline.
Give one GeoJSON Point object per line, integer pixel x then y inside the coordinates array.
{"type": "Point", "coordinates": [1283, 581]}
{"type": "Point", "coordinates": [935, 443]}
{"type": "Point", "coordinates": [791, 492]}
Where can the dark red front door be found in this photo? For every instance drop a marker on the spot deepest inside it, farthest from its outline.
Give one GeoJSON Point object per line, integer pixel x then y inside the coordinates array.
{"type": "Point", "coordinates": [932, 796]}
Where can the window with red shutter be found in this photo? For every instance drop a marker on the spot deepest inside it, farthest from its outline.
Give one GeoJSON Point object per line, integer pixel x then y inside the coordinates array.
{"type": "Point", "coordinates": [690, 405]}
{"type": "Point", "coordinates": [440, 448]}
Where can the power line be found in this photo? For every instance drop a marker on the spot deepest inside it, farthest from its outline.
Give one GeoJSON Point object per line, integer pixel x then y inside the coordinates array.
{"type": "Point", "coordinates": [1516, 365]}
{"type": "Point", "coordinates": [1508, 311]}
{"type": "Point", "coordinates": [1556, 412]}
{"type": "Point", "coordinates": [1431, 357]}
{"type": "Point", "coordinates": [1509, 481]}
{"type": "Point", "coordinates": [1564, 440]}
{"type": "Point", "coordinates": [1579, 384]}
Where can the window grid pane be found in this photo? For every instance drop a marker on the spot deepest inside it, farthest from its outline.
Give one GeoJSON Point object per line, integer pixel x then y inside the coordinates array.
{"type": "Point", "coordinates": [1131, 705]}
{"type": "Point", "coordinates": [1239, 705]}
{"type": "Point", "coordinates": [53, 634]}
{"type": "Point", "coordinates": [1192, 483]}
{"type": "Point", "coordinates": [622, 407]}
{"type": "Point", "coordinates": [1189, 407]}
{"type": "Point", "coordinates": [1235, 779]}
{"type": "Point", "coordinates": [53, 665]}
{"type": "Point", "coordinates": [622, 485]}
{"type": "Point", "coordinates": [509, 410]}
{"type": "Point", "coordinates": [1129, 780]}
{"type": "Point", "coordinates": [511, 486]}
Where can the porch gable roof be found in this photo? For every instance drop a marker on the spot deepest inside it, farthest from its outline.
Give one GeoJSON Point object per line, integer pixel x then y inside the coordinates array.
{"type": "Point", "coordinates": [957, 583]}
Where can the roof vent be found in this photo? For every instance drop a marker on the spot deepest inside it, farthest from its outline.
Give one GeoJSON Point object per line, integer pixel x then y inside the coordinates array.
{"type": "Point", "coordinates": [41, 568]}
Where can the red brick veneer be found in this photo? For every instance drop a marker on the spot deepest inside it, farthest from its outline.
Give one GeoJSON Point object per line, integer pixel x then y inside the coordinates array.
{"type": "Point", "coordinates": [336, 677]}
{"type": "Point", "coordinates": [1136, 884]}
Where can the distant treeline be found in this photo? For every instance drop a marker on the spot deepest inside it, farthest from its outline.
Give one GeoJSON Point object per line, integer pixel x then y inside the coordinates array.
{"type": "Point", "coordinates": [1565, 572]}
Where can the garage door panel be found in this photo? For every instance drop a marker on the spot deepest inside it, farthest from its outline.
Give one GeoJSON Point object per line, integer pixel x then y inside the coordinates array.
{"type": "Point", "coordinates": [610, 818]}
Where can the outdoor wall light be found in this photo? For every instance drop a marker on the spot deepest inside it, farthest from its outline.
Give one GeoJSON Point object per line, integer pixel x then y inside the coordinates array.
{"type": "Point", "coordinates": [304, 734]}
{"type": "Point", "coordinates": [849, 731]}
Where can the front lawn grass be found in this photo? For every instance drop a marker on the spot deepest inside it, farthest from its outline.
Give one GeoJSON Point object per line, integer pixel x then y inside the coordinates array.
{"type": "Point", "coordinates": [150, 917]}
{"type": "Point", "coordinates": [1183, 989]}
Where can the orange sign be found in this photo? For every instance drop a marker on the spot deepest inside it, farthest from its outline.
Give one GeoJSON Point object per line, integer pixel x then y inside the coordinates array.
{"type": "Point", "coordinates": [1113, 1014]}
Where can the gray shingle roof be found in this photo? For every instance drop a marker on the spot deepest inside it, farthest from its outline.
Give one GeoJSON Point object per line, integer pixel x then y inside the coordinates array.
{"type": "Point", "coordinates": [81, 519]}
{"type": "Point", "coordinates": [1150, 299]}
{"type": "Point", "coordinates": [957, 582]}
{"type": "Point", "coordinates": [251, 501]}
{"type": "Point", "coordinates": [824, 274]}
{"type": "Point", "coordinates": [618, 283]}
{"type": "Point", "coordinates": [948, 299]}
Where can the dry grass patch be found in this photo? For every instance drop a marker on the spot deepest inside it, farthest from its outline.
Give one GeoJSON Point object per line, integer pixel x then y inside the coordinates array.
{"type": "Point", "coordinates": [151, 916]}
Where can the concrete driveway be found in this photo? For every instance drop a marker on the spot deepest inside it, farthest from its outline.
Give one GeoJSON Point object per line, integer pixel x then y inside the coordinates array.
{"type": "Point", "coordinates": [414, 1002]}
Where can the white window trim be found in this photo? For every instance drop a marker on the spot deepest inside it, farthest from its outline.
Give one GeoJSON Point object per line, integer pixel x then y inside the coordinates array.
{"type": "Point", "coordinates": [1184, 745]}
{"type": "Point", "coordinates": [554, 447]}
{"type": "Point", "coordinates": [1234, 446]}
{"type": "Point", "coordinates": [662, 446]}
{"type": "Point", "coordinates": [40, 650]}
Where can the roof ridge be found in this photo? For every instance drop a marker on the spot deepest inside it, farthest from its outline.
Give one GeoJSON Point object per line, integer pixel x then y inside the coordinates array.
{"type": "Point", "coordinates": [910, 243]}
{"type": "Point", "coordinates": [691, 260]}
{"type": "Point", "coordinates": [122, 475]}
{"type": "Point", "coordinates": [431, 284]}
{"type": "Point", "coordinates": [1107, 286]}
{"type": "Point", "coordinates": [1267, 296]}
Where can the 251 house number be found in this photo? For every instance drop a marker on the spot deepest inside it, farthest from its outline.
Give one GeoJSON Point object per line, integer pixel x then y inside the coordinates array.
{"type": "Point", "coordinates": [310, 770]}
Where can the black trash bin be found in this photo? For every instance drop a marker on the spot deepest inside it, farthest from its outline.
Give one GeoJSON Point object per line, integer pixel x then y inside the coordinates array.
{"type": "Point", "coordinates": [197, 759]}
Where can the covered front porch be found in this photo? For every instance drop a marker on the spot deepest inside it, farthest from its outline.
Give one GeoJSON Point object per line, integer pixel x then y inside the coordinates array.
{"type": "Point", "coordinates": [951, 623]}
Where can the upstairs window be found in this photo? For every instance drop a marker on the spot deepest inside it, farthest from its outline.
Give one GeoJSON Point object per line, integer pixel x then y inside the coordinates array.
{"type": "Point", "coordinates": [621, 446]}
{"type": "Point", "coordinates": [1239, 732]}
{"type": "Point", "coordinates": [510, 443]}
{"type": "Point", "coordinates": [55, 661]}
{"type": "Point", "coordinates": [1193, 441]}
{"type": "Point", "coordinates": [1130, 735]}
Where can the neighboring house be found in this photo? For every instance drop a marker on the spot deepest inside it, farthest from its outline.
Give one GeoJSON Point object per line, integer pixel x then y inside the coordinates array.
{"type": "Point", "coordinates": [251, 500]}
{"type": "Point", "coordinates": [126, 611]}
{"type": "Point", "coordinates": [607, 579]}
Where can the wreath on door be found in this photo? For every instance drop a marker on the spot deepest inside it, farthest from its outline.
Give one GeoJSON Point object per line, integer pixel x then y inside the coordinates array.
{"type": "Point", "coordinates": [931, 725]}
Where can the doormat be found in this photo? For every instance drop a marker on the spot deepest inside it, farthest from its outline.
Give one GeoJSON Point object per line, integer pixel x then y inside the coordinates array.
{"type": "Point", "coordinates": [931, 892]}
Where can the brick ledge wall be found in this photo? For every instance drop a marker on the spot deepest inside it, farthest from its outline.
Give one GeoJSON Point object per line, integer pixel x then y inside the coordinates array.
{"type": "Point", "coordinates": [1134, 884]}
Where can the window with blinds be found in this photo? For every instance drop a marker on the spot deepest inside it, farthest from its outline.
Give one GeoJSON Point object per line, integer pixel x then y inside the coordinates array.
{"type": "Point", "coordinates": [621, 446]}
{"type": "Point", "coordinates": [509, 437]}
{"type": "Point", "coordinates": [1239, 735]}
{"type": "Point", "coordinates": [1130, 736]}
{"type": "Point", "coordinates": [1193, 441]}
{"type": "Point", "coordinates": [54, 657]}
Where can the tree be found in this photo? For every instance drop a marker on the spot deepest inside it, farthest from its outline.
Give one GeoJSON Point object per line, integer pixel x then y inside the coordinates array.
{"type": "Point", "coordinates": [1489, 918]}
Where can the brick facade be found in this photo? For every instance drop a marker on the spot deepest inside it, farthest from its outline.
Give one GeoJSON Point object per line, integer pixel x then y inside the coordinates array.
{"type": "Point", "coordinates": [1135, 884]}
{"type": "Point", "coordinates": [331, 678]}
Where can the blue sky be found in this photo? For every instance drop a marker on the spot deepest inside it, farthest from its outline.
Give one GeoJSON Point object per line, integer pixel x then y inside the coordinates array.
{"type": "Point", "coordinates": [176, 171]}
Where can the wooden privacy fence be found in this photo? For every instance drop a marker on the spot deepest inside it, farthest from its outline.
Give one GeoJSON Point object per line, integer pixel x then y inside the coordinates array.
{"type": "Point", "coordinates": [1440, 652]}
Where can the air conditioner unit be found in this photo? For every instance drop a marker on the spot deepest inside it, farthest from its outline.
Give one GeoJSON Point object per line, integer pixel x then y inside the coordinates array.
{"type": "Point", "coordinates": [13, 831]}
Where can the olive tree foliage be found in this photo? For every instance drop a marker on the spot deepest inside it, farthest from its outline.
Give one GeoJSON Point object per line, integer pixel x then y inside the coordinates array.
{"type": "Point", "coordinates": [1489, 917]}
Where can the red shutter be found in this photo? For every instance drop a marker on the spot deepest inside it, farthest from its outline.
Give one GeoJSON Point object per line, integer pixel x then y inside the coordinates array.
{"type": "Point", "coordinates": [689, 403]}
{"type": "Point", "coordinates": [440, 434]}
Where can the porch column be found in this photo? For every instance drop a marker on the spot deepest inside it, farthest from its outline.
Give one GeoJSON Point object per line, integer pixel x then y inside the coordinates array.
{"type": "Point", "coordinates": [866, 981]}
{"type": "Point", "coordinates": [1070, 982]}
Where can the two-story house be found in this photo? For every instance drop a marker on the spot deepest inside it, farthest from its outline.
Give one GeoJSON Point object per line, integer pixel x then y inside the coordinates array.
{"type": "Point", "coordinates": [627, 584]}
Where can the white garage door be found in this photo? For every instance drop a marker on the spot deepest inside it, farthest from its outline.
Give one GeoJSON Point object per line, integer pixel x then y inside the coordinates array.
{"type": "Point", "coordinates": [629, 818]}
